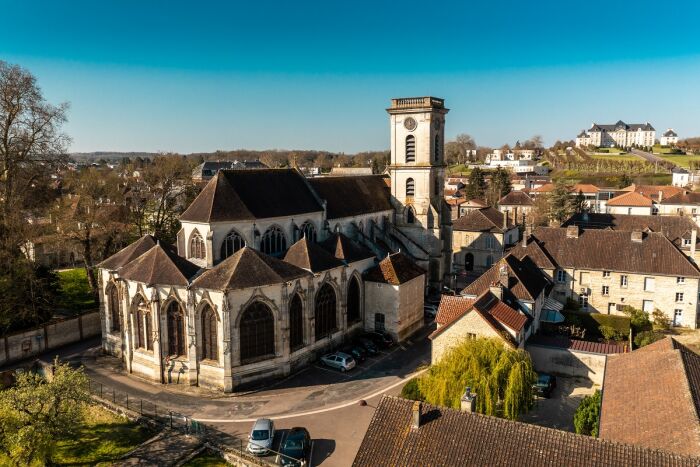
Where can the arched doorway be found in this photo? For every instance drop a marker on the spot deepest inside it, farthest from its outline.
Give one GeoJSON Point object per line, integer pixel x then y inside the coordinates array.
{"type": "Point", "coordinates": [353, 301]}
{"type": "Point", "coordinates": [257, 330]}
{"type": "Point", "coordinates": [325, 312]}
{"type": "Point", "coordinates": [469, 262]}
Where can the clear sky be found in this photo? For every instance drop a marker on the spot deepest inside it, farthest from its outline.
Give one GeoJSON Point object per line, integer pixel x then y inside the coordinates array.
{"type": "Point", "coordinates": [192, 76]}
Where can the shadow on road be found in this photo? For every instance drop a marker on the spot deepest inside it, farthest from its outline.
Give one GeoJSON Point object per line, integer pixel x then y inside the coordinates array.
{"type": "Point", "coordinates": [323, 448]}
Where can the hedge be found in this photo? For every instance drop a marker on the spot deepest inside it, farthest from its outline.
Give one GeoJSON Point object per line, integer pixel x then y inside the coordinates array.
{"type": "Point", "coordinates": [593, 321]}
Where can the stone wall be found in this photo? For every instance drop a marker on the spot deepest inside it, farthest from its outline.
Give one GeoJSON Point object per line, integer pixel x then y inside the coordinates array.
{"type": "Point", "coordinates": [470, 325]}
{"type": "Point", "coordinates": [566, 362]}
{"type": "Point", "coordinates": [27, 344]}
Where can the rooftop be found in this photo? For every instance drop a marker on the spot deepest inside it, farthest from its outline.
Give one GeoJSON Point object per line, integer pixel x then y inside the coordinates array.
{"type": "Point", "coordinates": [395, 269]}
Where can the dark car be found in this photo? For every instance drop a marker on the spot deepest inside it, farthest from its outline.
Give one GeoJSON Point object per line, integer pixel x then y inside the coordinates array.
{"type": "Point", "coordinates": [296, 447]}
{"type": "Point", "coordinates": [381, 339]}
{"type": "Point", "coordinates": [357, 352]}
{"type": "Point", "coordinates": [545, 385]}
{"type": "Point", "coordinates": [369, 346]}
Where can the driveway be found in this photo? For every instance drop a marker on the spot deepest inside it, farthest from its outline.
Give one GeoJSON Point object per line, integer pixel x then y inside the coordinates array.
{"type": "Point", "coordinates": [558, 411]}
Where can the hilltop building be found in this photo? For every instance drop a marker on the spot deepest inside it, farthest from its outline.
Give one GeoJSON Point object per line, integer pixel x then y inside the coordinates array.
{"type": "Point", "coordinates": [669, 138]}
{"type": "Point", "coordinates": [619, 134]}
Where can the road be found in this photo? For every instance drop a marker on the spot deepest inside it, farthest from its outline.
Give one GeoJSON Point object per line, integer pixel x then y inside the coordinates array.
{"type": "Point", "coordinates": [325, 401]}
{"type": "Point", "coordinates": [649, 157]}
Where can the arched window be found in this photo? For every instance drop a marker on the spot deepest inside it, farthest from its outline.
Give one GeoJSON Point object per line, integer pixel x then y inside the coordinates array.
{"type": "Point", "coordinates": [410, 215]}
{"type": "Point", "coordinates": [209, 335]}
{"type": "Point", "coordinates": [176, 330]}
{"type": "Point", "coordinates": [273, 242]}
{"type": "Point", "coordinates": [143, 326]}
{"type": "Point", "coordinates": [257, 333]}
{"type": "Point", "coordinates": [139, 341]}
{"type": "Point", "coordinates": [410, 187]}
{"type": "Point", "coordinates": [232, 243]}
{"type": "Point", "coordinates": [309, 231]}
{"type": "Point", "coordinates": [410, 148]}
{"type": "Point", "coordinates": [296, 323]}
{"type": "Point", "coordinates": [114, 312]}
{"type": "Point", "coordinates": [437, 148]}
{"type": "Point", "coordinates": [325, 311]}
{"type": "Point", "coordinates": [353, 301]}
{"type": "Point", "coordinates": [149, 331]}
{"type": "Point", "coordinates": [197, 248]}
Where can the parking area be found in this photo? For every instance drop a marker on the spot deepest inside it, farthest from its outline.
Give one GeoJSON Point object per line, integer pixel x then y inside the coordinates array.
{"type": "Point", "coordinates": [558, 411]}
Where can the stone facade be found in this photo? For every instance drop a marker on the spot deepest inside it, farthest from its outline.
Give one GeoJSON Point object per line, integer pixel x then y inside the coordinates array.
{"type": "Point", "coordinates": [397, 309]}
{"type": "Point", "coordinates": [470, 326]}
{"type": "Point", "coordinates": [620, 134]}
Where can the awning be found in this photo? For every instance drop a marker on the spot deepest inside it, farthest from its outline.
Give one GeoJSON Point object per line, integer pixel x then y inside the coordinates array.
{"type": "Point", "coordinates": [551, 316]}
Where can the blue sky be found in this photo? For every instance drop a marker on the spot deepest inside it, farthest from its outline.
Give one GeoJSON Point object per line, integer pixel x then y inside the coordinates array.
{"type": "Point", "coordinates": [200, 76]}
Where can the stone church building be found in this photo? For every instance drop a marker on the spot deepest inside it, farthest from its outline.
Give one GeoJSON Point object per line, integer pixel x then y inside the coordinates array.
{"type": "Point", "coordinates": [272, 269]}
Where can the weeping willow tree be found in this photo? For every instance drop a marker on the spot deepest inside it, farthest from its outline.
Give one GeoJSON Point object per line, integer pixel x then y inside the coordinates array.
{"type": "Point", "coordinates": [501, 377]}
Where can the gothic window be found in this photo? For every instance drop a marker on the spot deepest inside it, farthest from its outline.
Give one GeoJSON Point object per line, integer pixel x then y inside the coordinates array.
{"type": "Point", "coordinates": [197, 248]}
{"type": "Point", "coordinates": [273, 242]}
{"type": "Point", "coordinates": [324, 311]}
{"type": "Point", "coordinates": [437, 148]}
{"type": "Point", "coordinates": [114, 314]}
{"type": "Point", "coordinates": [257, 331]}
{"type": "Point", "coordinates": [410, 187]}
{"type": "Point", "coordinates": [309, 231]}
{"type": "Point", "coordinates": [410, 215]}
{"type": "Point", "coordinates": [410, 148]}
{"type": "Point", "coordinates": [176, 330]}
{"type": "Point", "coordinates": [353, 301]}
{"type": "Point", "coordinates": [296, 323]}
{"type": "Point", "coordinates": [232, 243]}
{"type": "Point", "coordinates": [209, 335]}
{"type": "Point", "coordinates": [139, 341]}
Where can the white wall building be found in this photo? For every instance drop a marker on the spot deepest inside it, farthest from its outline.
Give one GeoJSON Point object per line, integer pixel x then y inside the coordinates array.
{"type": "Point", "coordinates": [669, 138]}
{"type": "Point", "coordinates": [619, 134]}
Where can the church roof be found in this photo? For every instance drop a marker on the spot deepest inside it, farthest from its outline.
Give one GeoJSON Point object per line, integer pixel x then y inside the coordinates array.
{"type": "Point", "coordinates": [395, 269]}
{"type": "Point", "coordinates": [248, 268]}
{"type": "Point", "coordinates": [352, 196]}
{"type": "Point", "coordinates": [343, 248]}
{"type": "Point", "coordinates": [129, 253]}
{"type": "Point", "coordinates": [159, 266]}
{"type": "Point", "coordinates": [234, 195]}
{"type": "Point", "coordinates": [310, 256]}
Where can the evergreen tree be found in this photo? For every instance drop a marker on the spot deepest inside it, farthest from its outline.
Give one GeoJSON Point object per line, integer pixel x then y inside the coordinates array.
{"type": "Point", "coordinates": [560, 202]}
{"type": "Point", "coordinates": [501, 377]}
{"type": "Point", "coordinates": [477, 184]}
{"type": "Point", "coordinates": [579, 203]}
{"type": "Point", "coordinates": [587, 415]}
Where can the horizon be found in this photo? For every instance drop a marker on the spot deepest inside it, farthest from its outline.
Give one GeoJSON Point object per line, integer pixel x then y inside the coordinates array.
{"type": "Point", "coordinates": [319, 77]}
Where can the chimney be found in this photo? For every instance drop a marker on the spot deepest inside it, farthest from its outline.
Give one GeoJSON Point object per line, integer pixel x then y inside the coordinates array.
{"type": "Point", "coordinates": [468, 401]}
{"type": "Point", "coordinates": [572, 231]}
{"type": "Point", "coordinates": [505, 219]}
{"type": "Point", "coordinates": [637, 236]}
{"type": "Point", "coordinates": [496, 288]}
{"type": "Point", "coordinates": [693, 240]}
{"type": "Point", "coordinates": [526, 234]}
{"type": "Point", "coordinates": [661, 196]}
{"type": "Point", "coordinates": [415, 420]}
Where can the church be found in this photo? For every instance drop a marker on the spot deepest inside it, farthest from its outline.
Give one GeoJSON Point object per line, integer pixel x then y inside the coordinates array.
{"type": "Point", "coordinates": [271, 269]}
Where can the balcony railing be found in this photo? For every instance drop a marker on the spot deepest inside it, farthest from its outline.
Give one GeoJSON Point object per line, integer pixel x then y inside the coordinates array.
{"type": "Point", "coordinates": [413, 102]}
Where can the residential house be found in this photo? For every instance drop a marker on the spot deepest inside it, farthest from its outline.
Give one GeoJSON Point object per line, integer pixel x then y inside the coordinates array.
{"type": "Point", "coordinates": [518, 205]}
{"type": "Point", "coordinates": [605, 270]}
{"type": "Point", "coordinates": [631, 203]}
{"type": "Point", "coordinates": [411, 433]}
{"type": "Point", "coordinates": [651, 398]}
{"type": "Point", "coordinates": [529, 182]}
{"type": "Point", "coordinates": [669, 138]}
{"type": "Point", "coordinates": [655, 192]}
{"type": "Point", "coordinates": [472, 205]}
{"type": "Point", "coordinates": [480, 237]}
{"type": "Point", "coordinates": [682, 204]}
{"type": "Point", "coordinates": [680, 177]}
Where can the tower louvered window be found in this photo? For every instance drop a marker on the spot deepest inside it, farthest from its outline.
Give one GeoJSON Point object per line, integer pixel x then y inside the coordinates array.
{"type": "Point", "coordinates": [410, 148]}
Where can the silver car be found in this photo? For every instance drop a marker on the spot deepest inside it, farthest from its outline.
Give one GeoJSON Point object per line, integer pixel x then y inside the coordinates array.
{"type": "Point", "coordinates": [339, 360]}
{"type": "Point", "coordinates": [261, 436]}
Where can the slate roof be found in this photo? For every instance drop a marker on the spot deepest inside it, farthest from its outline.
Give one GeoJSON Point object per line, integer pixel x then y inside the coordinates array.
{"type": "Point", "coordinates": [623, 126]}
{"type": "Point", "coordinates": [352, 196]}
{"type": "Point", "coordinates": [516, 198]}
{"type": "Point", "coordinates": [129, 253]}
{"type": "Point", "coordinates": [345, 249]}
{"type": "Point", "coordinates": [675, 228]}
{"type": "Point", "coordinates": [660, 385]}
{"type": "Point", "coordinates": [308, 255]}
{"type": "Point", "coordinates": [448, 437]}
{"type": "Point", "coordinates": [525, 280]}
{"type": "Point", "coordinates": [670, 132]}
{"type": "Point", "coordinates": [234, 195]}
{"type": "Point", "coordinates": [482, 220]}
{"type": "Point", "coordinates": [583, 134]}
{"type": "Point", "coordinates": [395, 269]}
{"type": "Point", "coordinates": [631, 198]}
{"type": "Point", "coordinates": [248, 268]}
{"type": "Point", "coordinates": [159, 266]}
{"type": "Point", "coordinates": [613, 250]}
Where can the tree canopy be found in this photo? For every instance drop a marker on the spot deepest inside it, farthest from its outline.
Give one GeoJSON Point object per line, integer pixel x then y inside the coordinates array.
{"type": "Point", "coordinates": [587, 415]}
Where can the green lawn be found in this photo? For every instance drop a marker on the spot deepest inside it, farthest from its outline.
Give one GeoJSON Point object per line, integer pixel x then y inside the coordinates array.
{"type": "Point", "coordinates": [207, 459]}
{"type": "Point", "coordinates": [103, 439]}
{"type": "Point", "coordinates": [664, 150]}
{"type": "Point", "coordinates": [76, 295]}
{"type": "Point", "coordinates": [683, 160]}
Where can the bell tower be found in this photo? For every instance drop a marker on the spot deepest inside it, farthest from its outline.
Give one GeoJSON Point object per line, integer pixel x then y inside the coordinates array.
{"type": "Point", "coordinates": [417, 170]}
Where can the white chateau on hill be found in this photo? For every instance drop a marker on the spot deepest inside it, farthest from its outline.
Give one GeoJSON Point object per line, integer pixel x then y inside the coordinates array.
{"type": "Point", "coordinates": [619, 134]}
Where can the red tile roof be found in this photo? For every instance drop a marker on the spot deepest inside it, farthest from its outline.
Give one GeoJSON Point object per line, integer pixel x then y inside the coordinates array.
{"type": "Point", "coordinates": [451, 308]}
{"type": "Point", "coordinates": [578, 345]}
{"type": "Point", "coordinates": [631, 198]}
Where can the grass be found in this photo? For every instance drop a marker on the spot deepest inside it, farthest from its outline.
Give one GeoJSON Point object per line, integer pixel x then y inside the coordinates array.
{"type": "Point", "coordinates": [76, 295]}
{"type": "Point", "coordinates": [208, 459]}
{"type": "Point", "coordinates": [665, 150]}
{"type": "Point", "coordinates": [103, 438]}
{"type": "Point", "coordinates": [683, 160]}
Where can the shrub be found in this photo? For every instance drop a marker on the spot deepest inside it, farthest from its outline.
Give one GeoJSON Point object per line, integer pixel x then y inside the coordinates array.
{"type": "Point", "coordinates": [587, 415]}
{"type": "Point", "coordinates": [609, 332]}
{"type": "Point", "coordinates": [638, 319]}
{"type": "Point", "coordinates": [661, 321]}
{"type": "Point", "coordinates": [411, 390]}
{"type": "Point", "coordinates": [646, 338]}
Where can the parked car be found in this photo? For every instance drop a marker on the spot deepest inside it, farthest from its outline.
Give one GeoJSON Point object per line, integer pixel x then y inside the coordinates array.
{"type": "Point", "coordinates": [339, 360]}
{"type": "Point", "coordinates": [357, 352]}
{"type": "Point", "coordinates": [381, 339]}
{"type": "Point", "coordinates": [296, 448]}
{"type": "Point", "coordinates": [261, 436]}
{"type": "Point", "coordinates": [545, 385]}
{"type": "Point", "coordinates": [369, 346]}
{"type": "Point", "coordinates": [430, 311]}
